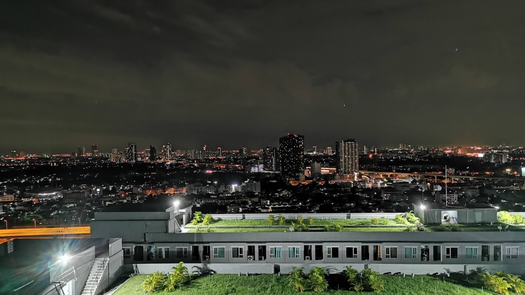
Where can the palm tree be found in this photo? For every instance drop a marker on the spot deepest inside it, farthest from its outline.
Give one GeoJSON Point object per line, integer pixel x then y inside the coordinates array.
{"type": "Point", "coordinates": [282, 219]}
{"type": "Point", "coordinates": [176, 277]}
{"type": "Point", "coordinates": [153, 282]}
{"type": "Point", "coordinates": [317, 279]}
{"type": "Point", "coordinates": [271, 219]}
{"type": "Point", "coordinates": [297, 279]}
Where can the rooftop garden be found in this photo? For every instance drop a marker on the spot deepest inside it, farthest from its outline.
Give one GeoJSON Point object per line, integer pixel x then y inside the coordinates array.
{"type": "Point", "coordinates": [278, 223]}
{"type": "Point", "coordinates": [317, 280]}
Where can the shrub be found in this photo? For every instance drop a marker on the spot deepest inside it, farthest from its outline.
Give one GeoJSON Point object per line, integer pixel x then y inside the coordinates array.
{"type": "Point", "coordinates": [300, 220]}
{"type": "Point", "coordinates": [411, 217]}
{"type": "Point", "coordinates": [335, 227]}
{"type": "Point", "coordinates": [374, 221]}
{"type": "Point", "coordinates": [177, 276]}
{"type": "Point", "coordinates": [207, 219]}
{"type": "Point", "coordinates": [197, 217]}
{"type": "Point", "coordinates": [455, 227]}
{"type": "Point", "coordinates": [382, 221]}
{"type": "Point", "coordinates": [310, 221]}
{"type": "Point", "coordinates": [352, 275]}
{"type": "Point", "coordinates": [153, 282]}
{"type": "Point", "coordinates": [317, 279]}
{"type": "Point", "coordinates": [400, 219]}
{"type": "Point", "coordinates": [271, 219]}
{"type": "Point", "coordinates": [304, 227]}
{"type": "Point", "coordinates": [517, 219]}
{"type": "Point", "coordinates": [372, 280]}
{"type": "Point", "coordinates": [504, 217]}
{"type": "Point", "coordinates": [295, 227]}
{"type": "Point", "coordinates": [297, 279]}
{"type": "Point", "coordinates": [282, 219]}
{"type": "Point", "coordinates": [411, 228]}
{"type": "Point", "coordinates": [502, 282]}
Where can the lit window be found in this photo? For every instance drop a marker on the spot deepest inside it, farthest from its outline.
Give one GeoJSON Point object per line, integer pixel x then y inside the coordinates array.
{"type": "Point", "coordinates": [511, 252]}
{"type": "Point", "coordinates": [410, 252]}
{"type": "Point", "coordinates": [294, 252]}
{"type": "Point", "coordinates": [218, 252]}
{"type": "Point", "coordinates": [471, 252]}
{"type": "Point", "coordinates": [275, 252]}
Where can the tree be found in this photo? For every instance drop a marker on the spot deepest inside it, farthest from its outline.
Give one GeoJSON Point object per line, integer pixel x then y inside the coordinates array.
{"type": "Point", "coordinates": [300, 220]}
{"type": "Point", "coordinates": [372, 280]}
{"type": "Point", "coordinates": [297, 279]}
{"type": "Point", "coordinates": [176, 277]}
{"type": "Point", "coordinates": [153, 282]}
{"type": "Point", "coordinates": [271, 219]}
{"type": "Point", "coordinates": [504, 217]}
{"type": "Point", "coordinates": [197, 217]}
{"type": "Point", "coordinates": [317, 279]}
{"type": "Point", "coordinates": [207, 219]}
{"type": "Point", "coordinates": [282, 219]}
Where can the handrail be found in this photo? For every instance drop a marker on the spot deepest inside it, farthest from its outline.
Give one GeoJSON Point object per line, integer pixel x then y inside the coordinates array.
{"type": "Point", "coordinates": [105, 263]}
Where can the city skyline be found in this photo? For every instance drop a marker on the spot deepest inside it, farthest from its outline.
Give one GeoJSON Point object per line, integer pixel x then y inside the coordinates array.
{"type": "Point", "coordinates": [242, 73]}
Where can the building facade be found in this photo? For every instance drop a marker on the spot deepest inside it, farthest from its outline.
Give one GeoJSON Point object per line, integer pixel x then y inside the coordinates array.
{"type": "Point", "coordinates": [291, 155]}
{"type": "Point", "coordinates": [347, 157]}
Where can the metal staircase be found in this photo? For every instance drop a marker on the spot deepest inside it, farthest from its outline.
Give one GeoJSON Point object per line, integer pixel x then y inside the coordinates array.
{"type": "Point", "coordinates": [97, 271]}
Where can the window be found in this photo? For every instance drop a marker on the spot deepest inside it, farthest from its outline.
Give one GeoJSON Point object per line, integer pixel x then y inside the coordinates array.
{"type": "Point", "coordinates": [485, 253]}
{"type": "Point", "coordinates": [365, 254]}
{"type": "Point", "coordinates": [437, 253]}
{"type": "Point", "coordinates": [376, 249]}
{"type": "Point", "coordinates": [319, 252]}
{"type": "Point", "coordinates": [294, 252]}
{"type": "Point", "coordinates": [332, 252]}
{"type": "Point", "coordinates": [410, 252]}
{"type": "Point", "coordinates": [497, 253]}
{"type": "Point", "coordinates": [181, 252]}
{"type": "Point", "coordinates": [218, 252]}
{"type": "Point", "coordinates": [511, 252]}
{"type": "Point", "coordinates": [390, 252]}
{"type": "Point", "coordinates": [237, 252]}
{"type": "Point", "coordinates": [163, 252]}
{"type": "Point", "coordinates": [351, 252]}
{"type": "Point", "coordinates": [127, 252]}
{"type": "Point", "coordinates": [471, 252]}
{"type": "Point", "coordinates": [451, 252]}
{"type": "Point", "coordinates": [275, 252]}
{"type": "Point", "coordinates": [425, 253]}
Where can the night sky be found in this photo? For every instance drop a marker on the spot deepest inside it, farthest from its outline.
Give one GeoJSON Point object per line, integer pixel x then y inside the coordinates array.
{"type": "Point", "coordinates": [244, 73]}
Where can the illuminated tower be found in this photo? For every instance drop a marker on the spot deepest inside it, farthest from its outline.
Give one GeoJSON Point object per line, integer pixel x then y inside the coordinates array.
{"type": "Point", "coordinates": [347, 157]}
{"type": "Point", "coordinates": [291, 155]}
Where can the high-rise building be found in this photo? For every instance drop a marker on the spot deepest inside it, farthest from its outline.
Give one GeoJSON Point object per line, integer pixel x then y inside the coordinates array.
{"type": "Point", "coordinates": [114, 155]}
{"type": "Point", "coordinates": [291, 155]}
{"type": "Point", "coordinates": [267, 157]}
{"type": "Point", "coordinates": [329, 150]}
{"type": "Point", "coordinates": [81, 151]}
{"type": "Point", "coordinates": [166, 153]}
{"type": "Point", "coordinates": [347, 157]}
{"type": "Point", "coordinates": [243, 152]}
{"type": "Point", "coordinates": [152, 154]}
{"type": "Point", "coordinates": [131, 152]}
{"type": "Point", "coordinates": [94, 149]}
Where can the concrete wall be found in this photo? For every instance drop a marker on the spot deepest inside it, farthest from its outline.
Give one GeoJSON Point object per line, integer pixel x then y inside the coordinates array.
{"type": "Point", "coordinates": [128, 230]}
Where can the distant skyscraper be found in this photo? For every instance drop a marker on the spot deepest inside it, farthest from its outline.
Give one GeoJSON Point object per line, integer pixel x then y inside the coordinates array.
{"type": "Point", "coordinates": [291, 155]}
{"type": "Point", "coordinates": [94, 149]}
{"type": "Point", "coordinates": [268, 157]}
{"type": "Point", "coordinates": [131, 152]}
{"type": "Point", "coordinates": [347, 157]}
{"type": "Point", "coordinates": [166, 153]}
{"type": "Point", "coordinates": [114, 155]}
{"type": "Point", "coordinates": [243, 152]}
{"type": "Point", "coordinates": [152, 154]}
{"type": "Point", "coordinates": [329, 150]}
{"type": "Point", "coordinates": [81, 151]}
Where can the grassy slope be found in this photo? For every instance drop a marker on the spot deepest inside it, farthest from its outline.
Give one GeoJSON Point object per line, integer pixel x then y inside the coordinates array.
{"type": "Point", "coordinates": [271, 284]}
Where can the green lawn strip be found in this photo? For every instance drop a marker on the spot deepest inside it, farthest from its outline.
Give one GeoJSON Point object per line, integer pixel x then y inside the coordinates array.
{"type": "Point", "coordinates": [273, 284]}
{"type": "Point", "coordinates": [272, 229]}
{"type": "Point", "coordinates": [317, 222]}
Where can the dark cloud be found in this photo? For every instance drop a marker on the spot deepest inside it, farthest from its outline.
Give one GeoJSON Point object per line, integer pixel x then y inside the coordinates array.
{"type": "Point", "coordinates": [235, 73]}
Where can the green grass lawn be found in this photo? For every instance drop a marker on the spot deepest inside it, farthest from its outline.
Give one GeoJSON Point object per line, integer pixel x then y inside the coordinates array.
{"type": "Point", "coordinates": [273, 284]}
{"type": "Point", "coordinates": [277, 229]}
{"type": "Point", "coordinates": [288, 222]}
